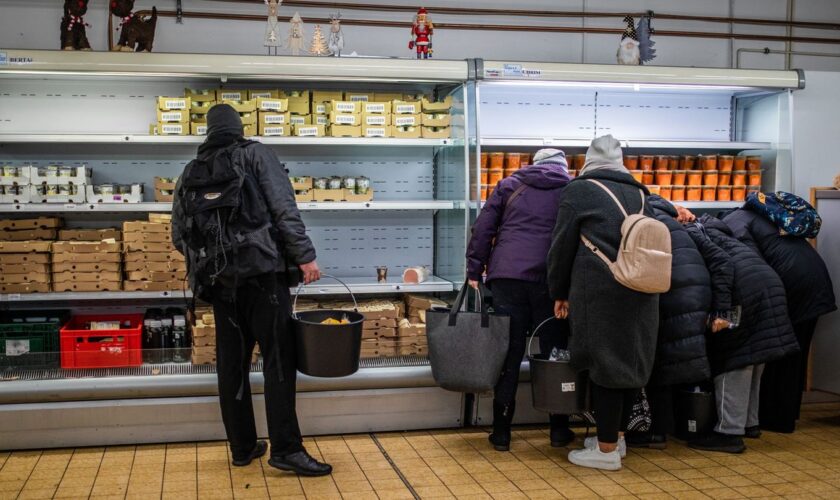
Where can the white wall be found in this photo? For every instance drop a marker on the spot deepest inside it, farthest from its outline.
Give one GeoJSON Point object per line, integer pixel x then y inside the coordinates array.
{"type": "Point", "coordinates": [35, 24]}
{"type": "Point", "coordinates": [816, 130]}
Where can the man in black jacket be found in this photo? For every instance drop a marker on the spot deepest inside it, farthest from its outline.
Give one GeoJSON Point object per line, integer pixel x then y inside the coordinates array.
{"type": "Point", "coordinates": [253, 308]}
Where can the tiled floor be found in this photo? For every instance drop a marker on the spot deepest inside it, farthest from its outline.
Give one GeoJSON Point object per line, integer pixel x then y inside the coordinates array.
{"type": "Point", "coordinates": [439, 464]}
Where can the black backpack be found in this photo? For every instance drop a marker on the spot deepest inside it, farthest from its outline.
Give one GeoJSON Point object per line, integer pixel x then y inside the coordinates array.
{"type": "Point", "coordinates": [227, 231]}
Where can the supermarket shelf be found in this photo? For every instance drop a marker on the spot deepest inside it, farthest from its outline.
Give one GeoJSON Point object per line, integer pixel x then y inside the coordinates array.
{"type": "Point", "coordinates": [710, 205]}
{"type": "Point", "coordinates": [167, 207]}
{"type": "Point", "coordinates": [153, 140]}
{"type": "Point", "coordinates": [535, 142]}
{"type": "Point", "coordinates": [360, 286]}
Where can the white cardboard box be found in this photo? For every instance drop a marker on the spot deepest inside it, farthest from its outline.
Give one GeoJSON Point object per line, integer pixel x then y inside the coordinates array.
{"type": "Point", "coordinates": [136, 196]}
{"type": "Point", "coordinates": [81, 175]}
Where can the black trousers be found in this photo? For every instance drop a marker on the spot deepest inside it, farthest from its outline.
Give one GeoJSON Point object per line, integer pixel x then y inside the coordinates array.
{"type": "Point", "coordinates": [528, 304]}
{"type": "Point", "coordinates": [612, 410]}
{"type": "Point", "coordinates": [261, 314]}
{"type": "Point", "coordinates": [783, 382]}
{"type": "Point", "coordinates": [661, 400]}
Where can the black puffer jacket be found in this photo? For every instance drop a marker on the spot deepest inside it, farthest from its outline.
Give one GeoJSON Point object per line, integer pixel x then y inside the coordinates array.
{"type": "Point", "coordinates": [684, 309]}
{"type": "Point", "coordinates": [808, 285]}
{"type": "Point", "coordinates": [765, 333]}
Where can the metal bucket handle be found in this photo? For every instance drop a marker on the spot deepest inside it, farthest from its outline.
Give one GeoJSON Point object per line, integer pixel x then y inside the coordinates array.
{"type": "Point", "coordinates": [300, 287]}
{"type": "Point", "coordinates": [531, 339]}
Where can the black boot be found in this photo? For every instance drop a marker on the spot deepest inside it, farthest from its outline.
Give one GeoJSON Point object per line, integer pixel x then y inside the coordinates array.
{"type": "Point", "coordinates": [716, 441]}
{"type": "Point", "coordinates": [561, 435]}
{"type": "Point", "coordinates": [258, 451]}
{"type": "Point", "coordinates": [502, 417]}
{"type": "Point", "coordinates": [646, 440]}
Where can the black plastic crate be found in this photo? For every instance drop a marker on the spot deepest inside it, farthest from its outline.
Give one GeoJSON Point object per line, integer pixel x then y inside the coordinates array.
{"type": "Point", "coordinates": [31, 340]}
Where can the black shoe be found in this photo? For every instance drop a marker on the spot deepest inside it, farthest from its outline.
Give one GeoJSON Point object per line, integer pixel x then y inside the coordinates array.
{"type": "Point", "coordinates": [560, 434]}
{"type": "Point", "coordinates": [502, 418]}
{"type": "Point", "coordinates": [258, 451]}
{"type": "Point", "coordinates": [753, 432]}
{"type": "Point", "coordinates": [646, 440]}
{"type": "Point", "coordinates": [301, 463]}
{"type": "Point", "coordinates": [723, 443]}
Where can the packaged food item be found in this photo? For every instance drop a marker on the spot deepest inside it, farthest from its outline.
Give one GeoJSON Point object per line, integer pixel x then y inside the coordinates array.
{"type": "Point", "coordinates": [739, 178]}
{"type": "Point", "coordinates": [579, 161]}
{"type": "Point", "coordinates": [739, 193]}
{"type": "Point", "coordinates": [739, 163]}
{"type": "Point", "coordinates": [695, 178]}
{"type": "Point", "coordinates": [663, 177]}
{"type": "Point", "coordinates": [710, 177]}
{"type": "Point", "coordinates": [496, 174]}
{"type": "Point", "coordinates": [679, 177]}
{"type": "Point", "coordinates": [647, 177]}
{"type": "Point", "coordinates": [753, 162]}
{"type": "Point", "coordinates": [497, 160]}
{"type": "Point", "coordinates": [646, 162]}
{"type": "Point", "coordinates": [10, 171]}
{"type": "Point", "coordinates": [693, 193]}
{"type": "Point", "coordinates": [709, 193]}
{"type": "Point", "coordinates": [654, 189]}
{"type": "Point", "coordinates": [708, 162]}
{"type": "Point", "coordinates": [688, 162]}
{"type": "Point", "coordinates": [512, 161]}
{"type": "Point", "coordinates": [485, 157]}
{"type": "Point", "coordinates": [674, 162]}
{"type": "Point", "coordinates": [637, 174]}
{"type": "Point", "coordinates": [725, 163]}
{"type": "Point", "coordinates": [663, 162]}
{"type": "Point", "coordinates": [349, 183]}
{"type": "Point", "coordinates": [677, 193]}
{"type": "Point", "coordinates": [485, 176]}
{"type": "Point", "coordinates": [631, 162]}
{"type": "Point", "coordinates": [362, 185]}
{"type": "Point", "coordinates": [334, 183]}
{"type": "Point", "coordinates": [724, 193]}
{"type": "Point", "coordinates": [665, 192]}
{"type": "Point", "coordinates": [754, 178]}
{"type": "Point", "coordinates": [725, 179]}
{"type": "Point", "coordinates": [321, 183]}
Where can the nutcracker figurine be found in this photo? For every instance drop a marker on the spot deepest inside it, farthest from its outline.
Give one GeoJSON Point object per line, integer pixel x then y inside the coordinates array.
{"type": "Point", "coordinates": [422, 31]}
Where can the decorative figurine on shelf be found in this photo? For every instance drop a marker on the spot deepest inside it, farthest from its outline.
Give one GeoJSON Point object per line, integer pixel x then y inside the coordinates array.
{"type": "Point", "coordinates": [336, 43]}
{"type": "Point", "coordinates": [296, 43]}
{"type": "Point", "coordinates": [136, 34]}
{"type": "Point", "coordinates": [422, 31]}
{"type": "Point", "coordinates": [73, 32]}
{"type": "Point", "coordinates": [628, 50]}
{"type": "Point", "coordinates": [272, 28]}
{"type": "Point", "coordinates": [643, 31]}
{"type": "Point", "coordinates": [318, 47]}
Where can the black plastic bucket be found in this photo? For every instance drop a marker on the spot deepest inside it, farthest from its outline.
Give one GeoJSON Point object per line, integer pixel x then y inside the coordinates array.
{"type": "Point", "coordinates": [695, 414]}
{"type": "Point", "coordinates": [555, 386]}
{"type": "Point", "coordinates": [328, 350]}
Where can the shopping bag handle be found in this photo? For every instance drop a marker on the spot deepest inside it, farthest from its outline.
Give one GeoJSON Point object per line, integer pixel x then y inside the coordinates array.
{"type": "Point", "coordinates": [459, 302]}
{"type": "Point", "coordinates": [300, 287]}
{"type": "Point", "coordinates": [531, 339]}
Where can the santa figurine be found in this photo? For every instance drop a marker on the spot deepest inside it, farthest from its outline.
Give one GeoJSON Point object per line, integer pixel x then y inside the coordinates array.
{"type": "Point", "coordinates": [422, 31]}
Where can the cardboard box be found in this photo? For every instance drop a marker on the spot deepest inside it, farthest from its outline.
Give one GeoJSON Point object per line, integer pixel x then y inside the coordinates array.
{"type": "Point", "coordinates": [90, 234]}
{"type": "Point", "coordinates": [264, 94]}
{"type": "Point", "coordinates": [423, 302]}
{"type": "Point", "coordinates": [407, 107]}
{"type": "Point", "coordinates": [87, 286]}
{"type": "Point", "coordinates": [135, 196]}
{"type": "Point", "coordinates": [324, 195]}
{"type": "Point", "coordinates": [40, 194]}
{"type": "Point", "coordinates": [351, 196]}
{"type": "Point", "coordinates": [21, 179]}
{"type": "Point", "coordinates": [352, 107]}
{"type": "Point", "coordinates": [201, 95]}
{"type": "Point", "coordinates": [407, 120]}
{"type": "Point", "coordinates": [345, 130]}
{"type": "Point", "coordinates": [310, 131]}
{"type": "Point", "coordinates": [407, 132]}
{"type": "Point", "coordinates": [29, 234]}
{"type": "Point", "coordinates": [25, 246]}
{"type": "Point", "coordinates": [304, 196]}
{"type": "Point", "coordinates": [77, 247]}
{"type": "Point", "coordinates": [359, 96]}
{"type": "Point", "coordinates": [437, 120]}
{"type": "Point", "coordinates": [241, 105]}
{"type": "Point", "coordinates": [86, 258]}
{"type": "Point", "coordinates": [271, 118]}
{"type": "Point", "coordinates": [379, 132]}
{"type": "Point", "coordinates": [248, 118]}
{"type": "Point", "coordinates": [86, 267]}
{"type": "Point", "coordinates": [152, 286]}
{"type": "Point", "coordinates": [26, 288]}
{"type": "Point", "coordinates": [28, 267]}
{"type": "Point", "coordinates": [322, 120]}
{"type": "Point", "coordinates": [388, 96]}
{"type": "Point", "coordinates": [86, 276]}
{"type": "Point", "coordinates": [198, 119]}
{"type": "Point", "coordinates": [323, 96]}
{"type": "Point", "coordinates": [147, 227]}
{"type": "Point", "coordinates": [321, 108]}
{"type": "Point", "coordinates": [30, 224]}
{"type": "Point", "coordinates": [275, 130]}
{"type": "Point", "coordinates": [374, 120]}
{"type": "Point", "coordinates": [232, 95]}
{"type": "Point", "coordinates": [41, 175]}
{"type": "Point", "coordinates": [139, 246]}
{"type": "Point", "coordinates": [301, 120]}
{"type": "Point", "coordinates": [250, 130]}
{"type": "Point", "coordinates": [157, 276]}
{"type": "Point", "coordinates": [198, 128]}
{"type": "Point", "coordinates": [11, 259]}
{"type": "Point", "coordinates": [157, 267]}
{"type": "Point", "coordinates": [273, 105]}
{"type": "Point", "coordinates": [175, 116]}
{"type": "Point", "coordinates": [15, 194]}
{"type": "Point", "coordinates": [201, 108]}
{"type": "Point", "coordinates": [23, 277]}
{"type": "Point", "coordinates": [376, 108]}
{"type": "Point", "coordinates": [148, 237]}
{"type": "Point", "coordinates": [171, 129]}
{"type": "Point", "coordinates": [352, 119]}
{"type": "Point", "coordinates": [436, 132]}
{"type": "Point", "coordinates": [437, 107]}
{"type": "Point", "coordinates": [164, 190]}
{"type": "Point", "coordinates": [300, 105]}
{"type": "Point", "coordinates": [301, 183]}
{"type": "Point", "coordinates": [132, 257]}
{"type": "Point", "coordinates": [411, 330]}
{"type": "Point", "coordinates": [376, 324]}
{"type": "Point", "coordinates": [160, 218]}
{"type": "Point", "coordinates": [173, 103]}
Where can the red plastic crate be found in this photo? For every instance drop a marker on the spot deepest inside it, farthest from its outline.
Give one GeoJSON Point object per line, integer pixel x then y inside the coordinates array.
{"type": "Point", "coordinates": [82, 348]}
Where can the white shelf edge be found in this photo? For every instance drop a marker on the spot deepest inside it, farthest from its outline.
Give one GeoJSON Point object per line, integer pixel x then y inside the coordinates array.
{"type": "Point", "coordinates": [709, 204]}
{"type": "Point", "coordinates": [152, 140]}
{"type": "Point", "coordinates": [359, 286]}
{"type": "Point", "coordinates": [10, 208]}
{"type": "Point", "coordinates": [580, 143]}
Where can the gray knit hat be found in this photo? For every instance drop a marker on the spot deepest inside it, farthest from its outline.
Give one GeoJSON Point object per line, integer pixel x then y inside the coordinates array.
{"type": "Point", "coordinates": [549, 155]}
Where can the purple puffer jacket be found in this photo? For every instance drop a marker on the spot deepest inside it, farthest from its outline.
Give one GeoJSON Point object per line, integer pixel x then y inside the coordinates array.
{"type": "Point", "coordinates": [522, 231]}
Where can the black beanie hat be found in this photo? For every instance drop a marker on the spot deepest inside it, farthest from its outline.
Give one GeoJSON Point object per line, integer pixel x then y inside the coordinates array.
{"type": "Point", "coordinates": [222, 119]}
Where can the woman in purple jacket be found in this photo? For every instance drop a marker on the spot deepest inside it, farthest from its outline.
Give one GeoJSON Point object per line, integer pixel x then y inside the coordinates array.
{"type": "Point", "coordinates": [510, 242]}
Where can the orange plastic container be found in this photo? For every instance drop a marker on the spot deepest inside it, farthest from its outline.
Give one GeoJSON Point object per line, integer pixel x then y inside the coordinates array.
{"type": "Point", "coordinates": [485, 176]}
{"type": "Point", "coordinates": [662, 162]}
{"type": "Point", "coordinates": [724, 193]}
{"type": "Point", "coordinates": [753, 162]}
{"type": "Point", "coordinates": [725, 179]}
{"type": "Point", "coordinates": [674, 162]}
{"type": "Point", "coordinates": [646, 162]}
{"type": "Point", "coordinates": [710, 177]}
{"type": "Point", "coordinates": [694, 178]}
{"type": "Point", "coordinates": [708, 162]}
{"type": "Point", "coordinates": [512, 161]}
{"type": "Point", "coordinates": [754, 178]}
{"type": "Point", "coordinates": [739, 163]}
{"type": "Point", "coordinates": [677, 193]}
{"type": "Point", "coordinates": [709, 193]}
{"type": "Point", "coordinates": [725, 163]}
{"type": "Point", "coordinates": [637, 174]}
{"type": "Point", "coordinates": [688, 162]}
{"type": "Point", "coordinates": [524, 159]}
{"type": "Point", "coordinates": [647, 178]}
{"type": "Point", "coordinates": [693, 193]}
{"type": "Point", "coordinates": [496, 174]}
{"type": "Point", "coordinates": [665, 192]}
{"type": "Point", "coordinates": [631, 162]}
{"type": "Point", "coordinates": [739, 178]}
{"type": "Point", "coordinates": [497, 160]}
{"type": "Point", "coordinates": [654, 189]}
{"type": "Point", "coordinates": [484, 159]}
{"type": "Point", "coordinates": [663, 177]}
{"type": "Point", "coordinates": [679, 177]}
{"type": "Point", "coordinates": [739, 193]}
{"type": "Point", "coordinates": [580, 161]}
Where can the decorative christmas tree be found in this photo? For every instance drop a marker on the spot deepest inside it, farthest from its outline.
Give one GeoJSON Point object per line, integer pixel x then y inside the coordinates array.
{"type": "Point", "coordinates": [319, 43]}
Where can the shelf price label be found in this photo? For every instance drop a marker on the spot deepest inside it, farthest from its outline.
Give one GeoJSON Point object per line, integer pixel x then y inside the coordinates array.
{"type": "Point", "coordinates": [547, 141]}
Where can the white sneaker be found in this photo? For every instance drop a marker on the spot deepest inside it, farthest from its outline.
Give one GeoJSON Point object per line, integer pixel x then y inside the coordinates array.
{"type": "Point", "coordinates": [594, 458]}
{"type": "Point", "coordinates": [592, 443]}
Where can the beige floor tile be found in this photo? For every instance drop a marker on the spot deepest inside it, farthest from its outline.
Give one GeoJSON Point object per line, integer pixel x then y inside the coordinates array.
{"type": "Point", "coordinates": [754, 491]}
{"type": "Point", "coordinates": [641, 488]}
{"type": "Point", "coordinates": [36, 493]}
{"type": "Point", "coordinates": [722, 493]}
{"type": "Point", "coordinates": [433, 491]}
{"type": "Point", "coordinates": [579, 492]}
{"type": "Point", "coordinates": [690, 495]}
{"type": "Point", "coordinates": [544, 495]}
{"type": "Point", "coordinates": [401, 494]}
{"type": "Point", "coordinates": [466, 489]}
{"type": "Point", "coordinates": [673, 486]}
{"type": "Point", "coordinates": [704, 483]}
{"type": "Point", "coordinates": [499, 487]}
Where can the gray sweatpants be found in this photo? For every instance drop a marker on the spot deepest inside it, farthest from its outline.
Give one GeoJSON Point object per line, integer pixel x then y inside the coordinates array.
{"type": "Point", "coordinates": [736, 395]}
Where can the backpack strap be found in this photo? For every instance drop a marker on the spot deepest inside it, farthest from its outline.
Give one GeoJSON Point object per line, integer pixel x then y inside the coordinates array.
{"type": "Point", "coordinates": [587, 242]}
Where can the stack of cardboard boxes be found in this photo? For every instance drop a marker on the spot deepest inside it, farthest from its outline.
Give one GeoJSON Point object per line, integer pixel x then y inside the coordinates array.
{"type": "Point", "coordinates": [200, 103]}
{"type": "Point", "coordinates": [151, 261]}
{"type": "Point", "coordinates": [412, 330]}
{"type": "Point", "coordinates": [380, 327]}
{"type": "Point", "coordinates": [25, 254]}
{"type": "Point", "coordinates": [204, 337]}
{"type": "Point", "coordinates": [14, 183]}
{"type": "Point", "coordinates": [241, 101]}
{"type": "Point", "coordinates": [87, 260]}
{"type": "Point", "coordinates": [407, 119]}
{"type": "Point", "coordinates": [173, 116]}
{"type": "Point", "coordinates": [437, 118]}
{"type": "Point", "coordinates": [59, 183]}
